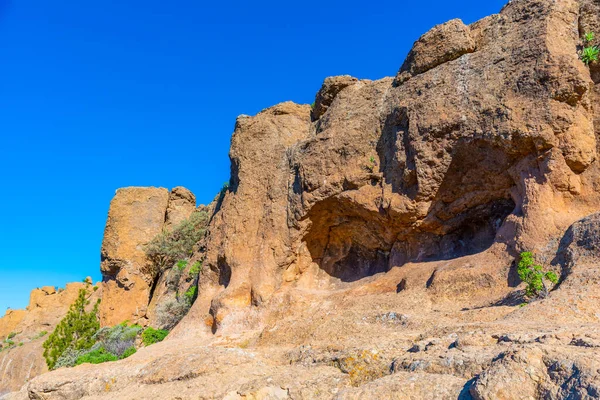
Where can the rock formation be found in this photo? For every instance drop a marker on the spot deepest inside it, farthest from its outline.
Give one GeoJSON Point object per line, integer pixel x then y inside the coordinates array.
{"type": "Point", "coordinates": [28, 328]}
{"type": "Point", "coordinates": [135, 217]}
{"type": "Point", "coordinates": [366, 248]}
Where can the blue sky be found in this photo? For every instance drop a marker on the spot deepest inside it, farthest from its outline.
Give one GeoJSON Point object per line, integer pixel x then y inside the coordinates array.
{"type": "Point", "coordinates": [97, 95]}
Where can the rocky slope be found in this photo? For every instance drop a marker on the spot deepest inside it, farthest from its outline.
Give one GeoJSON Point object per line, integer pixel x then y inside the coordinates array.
{"type": "Point", "coordinates": [27, 330]}
{"type": "Point", "coordinates": [366, 248]}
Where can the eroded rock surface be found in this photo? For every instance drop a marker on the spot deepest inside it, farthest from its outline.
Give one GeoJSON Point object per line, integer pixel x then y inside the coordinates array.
{"type": "Point", "coordinates": [27, 329]}
{"type": "Point", "coordinates": [368, 247]}
{"type": "Point", "coordinates": [135, 217]}
{"type": "Point", "coordinates": [487, 150]}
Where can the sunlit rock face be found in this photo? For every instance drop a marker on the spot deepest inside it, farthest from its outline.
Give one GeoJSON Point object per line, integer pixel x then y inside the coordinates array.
{"type": "Point", "coordinates": [366, 246]}
{"type": "Point", "coordinates": [484, 144]}
{"type": "Point", "coordinates": [135, 217]}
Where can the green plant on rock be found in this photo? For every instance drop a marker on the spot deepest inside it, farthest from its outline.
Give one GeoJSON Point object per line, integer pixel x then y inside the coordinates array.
{"type": "Point", "coordinates": [130, 351]}
{"type": "Point", "coordinates": [118, 339]}
{"type": "Point", "coordinates": [371, 165]}
{"type": "Point", "coordinates": [151, 336]}
{"type": "Point", "coordinates": [195, 269]}
{"type": "Point", "coordinates": [181, 264]}
{"type": "Point", "coordinates": [589, 37]}
{"type": "Point", "coordinates": [98, 356]}
{"type": "Point", "coordinates": [170, 312]}
{"type": "Point", "coordinates": [169, 247]}
{"type": "Point", "coordinates": [590, 54]}
{"type": "Point", "coordinates": [190, 294]}
{"type": "Point", "coordinates": [41, 334]}
{"type": "Point", "coordinates": [11, 335]}
{"type": "Point", "coordinates": [534, 276]}
{"type": "Point", "coordinates": [75, 331]}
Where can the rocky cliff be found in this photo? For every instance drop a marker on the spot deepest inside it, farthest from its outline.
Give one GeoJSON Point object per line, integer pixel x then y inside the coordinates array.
{"type": "Point", "coordinates": [366, 248]}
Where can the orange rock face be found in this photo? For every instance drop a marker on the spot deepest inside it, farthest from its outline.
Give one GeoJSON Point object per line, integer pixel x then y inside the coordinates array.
{"type": "Point", "coordinates": [135, 217]}
{"type": "Point", "coordinates": [484, 144]}
{"type": "Point", "coordinates": [368, 247]}
{"type": "Point", "coordinates": [29, 328]}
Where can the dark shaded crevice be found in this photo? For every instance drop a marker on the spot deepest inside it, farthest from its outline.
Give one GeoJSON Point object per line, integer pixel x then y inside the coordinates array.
{"type": "Point", "coordinates": [430, 280]}
{"type": "Point", "coordinates": [224, 271]}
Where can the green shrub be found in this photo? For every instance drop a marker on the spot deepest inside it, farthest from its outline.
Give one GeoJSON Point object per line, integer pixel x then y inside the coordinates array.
{"type": "Point", "coordinates": [130, 351]}
{"type": "Point", "coordinates": [195, 269]}
{"type": "Point", "coordinates": [96, 357]}
{"type": "Point", "coordinates": [69, 357]}
{"type": "Point", "coordinates": [533, 275]}
{"type": "Point", "coordinates": [589, 37]}
{"type": "Point", "coordinates": [75, 330]}
{"type": "Point", "coordinates": [41, 334]}
{"type": "Point", "coordinates": [118, 339]}
{"type": "Point", "coordinates": [11, 335]}
{"type": "Point", "coordinates": [590, 54]}
{"type": "Point", "coordinates": [95, 287]}
{"type": "Point", "coordinates": [190, 294]}
{"type": "Point", "coordinates": [20, 343]}
{"type": "Point", "coordinates": [168, 247]}
{"type": "Point", "coordinates": [151, 336]}
{"type": "Point", "coordinates": [181, 264]}
{"type": "Point", "coordinates": [9, 342]}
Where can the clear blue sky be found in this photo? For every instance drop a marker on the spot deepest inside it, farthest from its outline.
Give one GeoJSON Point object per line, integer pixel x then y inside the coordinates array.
{"type": "Point", "coordinates": [96, 95]}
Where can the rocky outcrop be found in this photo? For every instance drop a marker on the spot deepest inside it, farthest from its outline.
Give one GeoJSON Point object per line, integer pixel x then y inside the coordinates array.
{"type": "Point", "coordinates": [182, 203]}
{"type": "Point", "coordinates": [21, 358]}
{"type": "Point", "coordinates": [240, 264]}
{"type": "Point", "coordinates": [480, 154]}
{"type": "Point", "coordinates": [368, 247]}
{"type": "Point", "coordinates": [328, 92]}
{"type": "Point", "coordinates": [135, 217]}
{"type": "Point", "coordinates": [443, 43]}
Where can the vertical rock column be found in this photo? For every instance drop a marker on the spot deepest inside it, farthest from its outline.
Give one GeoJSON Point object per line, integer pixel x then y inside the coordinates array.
{"type": "Point", "coordinates": [136, 215]}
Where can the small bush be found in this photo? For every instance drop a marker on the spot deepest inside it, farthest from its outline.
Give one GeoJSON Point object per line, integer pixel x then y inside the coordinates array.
{"type": "Point", "coordinates": [151, 336]}
{"type": "Point", "coordinates": [118, 339]}
{"type": "Point", "coordinates": [195, 269]}
{"type": "Point", "coordinates": [173, 278]}
{"type": "Point", "coordinates": [11, 335]}
{"type": "Point", "coordinates": [170, 246]}
{"type": "Point", "coordinates": [169, 313]}
{"type": "Point", "coordinates": [590, 54]}
{"type": "Point", "coordinates": [20, 343]}
{"type": "Point", "coordinates": [69, 357]}
{"type": "Point", "coordinates": [96, 357]}
{"type": "Point", "coordinates": [589, 37]}
{"type": "Point", "coordinates": [9, 342]}
{"type": "Point", "coordinates": [533, 275]}
{"type": "Point", "coordinates": [181, 264]}
{"type": "Point", "coordinates": [190, 294]}
{"type": "Point", "coordinates": [130, 351]}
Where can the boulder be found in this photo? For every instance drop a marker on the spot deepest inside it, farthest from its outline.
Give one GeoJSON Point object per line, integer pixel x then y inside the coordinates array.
{"type": "Point", "coordinates": [182, 203]}
{"type": "Point", "coordinates": [443, 43]}
{"type": "Point", "coordinates": [330, 89]}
